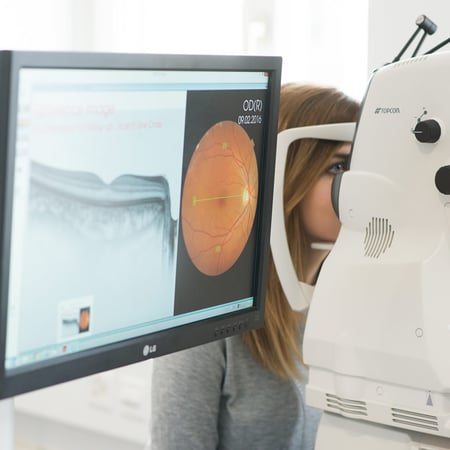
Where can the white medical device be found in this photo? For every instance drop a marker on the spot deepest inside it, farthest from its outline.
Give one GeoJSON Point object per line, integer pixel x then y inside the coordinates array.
{"type": "Point", "coordinates": [377, 337]}
{"type": "Point", "coordinates": [298, 293]}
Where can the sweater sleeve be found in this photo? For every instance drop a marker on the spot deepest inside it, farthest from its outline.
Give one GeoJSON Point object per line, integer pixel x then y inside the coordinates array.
{"type": "Point", "coordinates": [185, 398]}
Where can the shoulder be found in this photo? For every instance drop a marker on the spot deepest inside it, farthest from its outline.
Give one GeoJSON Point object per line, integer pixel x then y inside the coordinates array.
{"type": "Point", "coordinates": [185, 397]}
{"type": "Point", "coordinates": [213, 361]}
{"type": "Point", "coordinates": [191, 360]}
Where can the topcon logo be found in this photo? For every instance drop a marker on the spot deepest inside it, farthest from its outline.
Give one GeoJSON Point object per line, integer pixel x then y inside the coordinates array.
{"type": "Point", "coordinates": [387, 110]}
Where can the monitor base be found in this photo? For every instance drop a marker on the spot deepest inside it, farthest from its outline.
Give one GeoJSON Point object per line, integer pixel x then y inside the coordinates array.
{"type": "Point", "coordinates": [7, 424]}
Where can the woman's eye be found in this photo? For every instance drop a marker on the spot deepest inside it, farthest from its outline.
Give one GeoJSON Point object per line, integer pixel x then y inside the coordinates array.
{"type": "Point", "coordinates": [336, 168]}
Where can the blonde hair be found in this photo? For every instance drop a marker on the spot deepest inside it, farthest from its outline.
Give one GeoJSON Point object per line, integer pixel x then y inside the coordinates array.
{"type": "Point", "coordinates": [277, 345]}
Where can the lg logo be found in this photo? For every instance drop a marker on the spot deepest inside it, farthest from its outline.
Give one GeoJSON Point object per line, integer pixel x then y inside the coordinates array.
{"type": "Point", "coordinates": [149, 349]}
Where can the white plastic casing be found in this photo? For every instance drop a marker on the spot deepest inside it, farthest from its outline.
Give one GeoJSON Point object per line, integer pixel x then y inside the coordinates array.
{"type": "Point", "coordinates": [377, 338]}
{"type": "Point", "coordinates": [298, 293]}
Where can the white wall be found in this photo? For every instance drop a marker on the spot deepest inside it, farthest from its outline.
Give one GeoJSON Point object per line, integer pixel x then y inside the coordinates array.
{"type": "Point", "coordinates": [44, 24]}
{"type": "Point", "coordinates": [392, 23]}
{"type": "Point", "coordinates": [323, 41]}
{"type": "Point", "coordinates": [174, 26]}
{"type": "Point", "coordinates": [107, 411]}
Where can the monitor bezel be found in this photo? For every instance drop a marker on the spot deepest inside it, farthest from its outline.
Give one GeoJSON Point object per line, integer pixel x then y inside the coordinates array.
{"type": "Point", "coordinates": [110, 356]}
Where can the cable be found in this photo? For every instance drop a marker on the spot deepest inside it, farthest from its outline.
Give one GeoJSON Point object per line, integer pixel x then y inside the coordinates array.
{"type": "Point", "coordinates": [434, 49]}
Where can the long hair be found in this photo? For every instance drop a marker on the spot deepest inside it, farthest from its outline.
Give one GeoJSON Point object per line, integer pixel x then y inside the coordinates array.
{"type": "Point", "coordinates": [277, 345]}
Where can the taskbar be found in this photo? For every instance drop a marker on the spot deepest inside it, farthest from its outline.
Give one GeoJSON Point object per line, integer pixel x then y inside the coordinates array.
{"type": "Point", "coordinates": [114, 336]}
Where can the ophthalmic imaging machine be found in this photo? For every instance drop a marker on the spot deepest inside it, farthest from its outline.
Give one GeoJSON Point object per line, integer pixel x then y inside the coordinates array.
{"type": "Point", "coordinates": [377, 337]}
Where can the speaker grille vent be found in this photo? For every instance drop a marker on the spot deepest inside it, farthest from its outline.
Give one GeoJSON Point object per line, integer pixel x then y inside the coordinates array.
{"type": "Point", "coordinates": [415, 419]}
{"type": "Point", "coordinates": [346, 406]}
{"type": "Point", "coordinates": [378, 238]}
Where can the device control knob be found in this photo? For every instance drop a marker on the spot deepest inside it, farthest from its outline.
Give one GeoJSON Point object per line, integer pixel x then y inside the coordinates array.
{"type": "Point", "coordinates": [427, 131]}
{"type": "Point", "coordinates": [442, 180]}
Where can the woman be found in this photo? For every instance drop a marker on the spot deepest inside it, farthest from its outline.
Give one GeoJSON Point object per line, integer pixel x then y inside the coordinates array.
{"type": "Point", "coordinates": [247, 392]}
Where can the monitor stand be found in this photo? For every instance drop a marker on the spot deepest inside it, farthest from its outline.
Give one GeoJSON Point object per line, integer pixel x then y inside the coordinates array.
{"type": "Point", "coordinates": [7, 424]}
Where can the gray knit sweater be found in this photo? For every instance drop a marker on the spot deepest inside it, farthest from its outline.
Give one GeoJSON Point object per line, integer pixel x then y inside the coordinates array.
{"type": "Point", "coordinates": [217, 396]}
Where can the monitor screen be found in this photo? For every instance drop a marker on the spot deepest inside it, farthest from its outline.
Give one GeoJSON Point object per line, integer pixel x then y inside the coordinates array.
{"type": "Point", "coordinates": [136, 193]}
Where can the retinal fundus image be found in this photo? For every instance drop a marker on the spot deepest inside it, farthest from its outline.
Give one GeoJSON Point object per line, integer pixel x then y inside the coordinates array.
{"type": "Point", "coordinates": [84, 320]}
{"type": "Point", "coordinates": [219, 198]}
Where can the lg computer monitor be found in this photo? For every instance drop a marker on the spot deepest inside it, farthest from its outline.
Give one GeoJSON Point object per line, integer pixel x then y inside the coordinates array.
{"type": "Point", "coordinates": [135, 199]}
